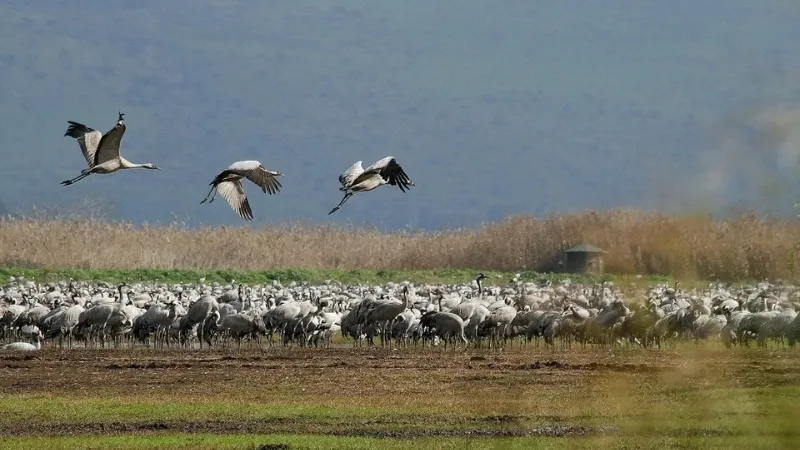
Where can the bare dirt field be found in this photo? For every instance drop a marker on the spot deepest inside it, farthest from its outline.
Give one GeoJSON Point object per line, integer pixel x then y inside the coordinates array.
{"type": "Point", "coordinates": [685, 395]}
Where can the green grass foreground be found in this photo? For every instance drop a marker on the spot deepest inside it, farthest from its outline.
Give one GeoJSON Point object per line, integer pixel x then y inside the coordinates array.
{"type": "Point", "coordinates": [688, 397]}
{"type": "Point", "coordinates": [448, 276]}
{"type": "Point", "coordinates": [311, 442]}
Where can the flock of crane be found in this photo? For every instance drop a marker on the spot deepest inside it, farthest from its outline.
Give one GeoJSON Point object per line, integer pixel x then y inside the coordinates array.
{"type": "Point", "coordinates": [395, 314]}
{"type": "Point", "coordinates": [102, 153]}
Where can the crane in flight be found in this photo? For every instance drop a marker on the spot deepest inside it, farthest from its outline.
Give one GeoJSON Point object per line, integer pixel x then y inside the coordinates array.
{"type": "Point", "coordinates": [228, 184]}
{"type": "Point", "coordinates": [386, 171]}
{"type": "Point", "coordinates": [101, 150]}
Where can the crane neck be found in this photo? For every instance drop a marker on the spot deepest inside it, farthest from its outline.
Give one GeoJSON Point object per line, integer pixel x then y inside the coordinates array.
{"type": "Point", "coordinates": [129, 165]}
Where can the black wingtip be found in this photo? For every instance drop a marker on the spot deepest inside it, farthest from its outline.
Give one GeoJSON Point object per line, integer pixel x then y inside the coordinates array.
{"type": "Point", "coordinates": [72, 132]}
{"type": "Point", "coordinates": [245, 211]}
{"type": "Point", "coordinates": [76, 130]}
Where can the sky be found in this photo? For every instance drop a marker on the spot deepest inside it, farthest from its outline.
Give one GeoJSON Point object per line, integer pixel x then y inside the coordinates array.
{"type": "Point", "coordinates": [492, 108]}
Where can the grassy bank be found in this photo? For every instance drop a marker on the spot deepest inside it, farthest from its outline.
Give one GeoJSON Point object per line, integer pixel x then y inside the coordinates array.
{"type": "Point", "coordinates": [686, 247]}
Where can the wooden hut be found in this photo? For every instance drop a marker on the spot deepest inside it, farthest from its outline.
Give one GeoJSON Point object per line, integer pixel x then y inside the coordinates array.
{"type": "Point", "coordinates": [584, 258]}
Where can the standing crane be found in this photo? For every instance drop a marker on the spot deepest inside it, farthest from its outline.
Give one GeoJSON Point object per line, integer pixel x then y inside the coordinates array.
{"type": "Point", "coordinates": [101, 151]}
{"type": "Point", "coordinates": [386, 171]}
{"type": "Point", "coordinates": [228, 184]}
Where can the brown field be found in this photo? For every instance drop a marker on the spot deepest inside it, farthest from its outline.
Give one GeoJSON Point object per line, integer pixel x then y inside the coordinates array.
{"type": "Point", "coordinates": [745, 248]}
{"type": "Point", "coordinates": [585, 398]}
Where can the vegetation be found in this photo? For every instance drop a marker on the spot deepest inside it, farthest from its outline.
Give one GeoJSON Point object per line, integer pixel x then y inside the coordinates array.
{"type": "Point", "coordinates": [687, 247]}
{"type": "Point", "coordinates": [310, 442]}
{"type": "Point", "coordinates": [313, 276]}
{"type": "Point", "coordinates": [688, 397]}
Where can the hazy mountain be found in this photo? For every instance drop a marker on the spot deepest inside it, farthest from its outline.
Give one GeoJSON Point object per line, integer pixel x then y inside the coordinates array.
{"type": "Point", "coordinates": [492, 107]}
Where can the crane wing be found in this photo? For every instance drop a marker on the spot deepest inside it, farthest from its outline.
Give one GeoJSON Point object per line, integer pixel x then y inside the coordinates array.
{"type": "Point", "coordinates": [88, 139]}
{"type": "Point", "coordinates": [233, 193]}
{"type": "Point", "coordinates": [264, 178]}
{"type": "Point", "coordinates": [390, 170]}
{"type": "Point", "coordinates": [108, 147]}
{"type": "Point", "coordinates": [349, 176]}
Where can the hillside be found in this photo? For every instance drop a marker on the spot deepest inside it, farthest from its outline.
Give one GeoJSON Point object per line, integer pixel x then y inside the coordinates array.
{"type": "Point", "coordinates": [492, 108]}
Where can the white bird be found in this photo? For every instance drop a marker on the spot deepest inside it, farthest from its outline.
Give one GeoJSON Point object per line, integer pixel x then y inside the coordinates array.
{"type": "Point", "coordinates": [26, 346]}
{"type": "Point", "coordinates": [386, 171]}
{"type": "Point", "coordinates": [101, 151]}
{"type": "Point", "coordinates": [228, 184]}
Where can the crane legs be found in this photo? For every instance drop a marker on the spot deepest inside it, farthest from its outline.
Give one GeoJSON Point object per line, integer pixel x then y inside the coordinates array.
{"type": "Point", "coordinates": [213, 190]}
{"type": "Point", "coordinates": [84, 174]}
{"type": "Point", "coordinates": [346, 196]}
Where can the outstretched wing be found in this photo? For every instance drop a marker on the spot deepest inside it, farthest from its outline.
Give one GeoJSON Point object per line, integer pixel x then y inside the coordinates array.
{"type": "Point", "coordinates": [390, 170]}
{"type": "Point", "coordinates": [348, 177]}
{"type": "Point", "coordinates": [255, 172]}
{"type": "Point", "coordinates": [264, 178]}
{"type": "Point", "coordinates": [88, 139]}
{"type": "Point", "coordinates": [108, 148]}
{"type": "Point", "coordinates": [233, 193]}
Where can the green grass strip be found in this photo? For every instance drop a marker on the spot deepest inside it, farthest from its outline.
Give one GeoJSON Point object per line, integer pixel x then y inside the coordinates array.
{"type": "Point", "coordinates": [306, 442]}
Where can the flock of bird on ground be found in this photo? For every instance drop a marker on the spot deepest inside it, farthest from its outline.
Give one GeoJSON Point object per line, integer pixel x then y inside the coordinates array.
{"type": "Point", "coordinates": [102, 153]}
{"type": "Point", "coordinates": [397, 314]}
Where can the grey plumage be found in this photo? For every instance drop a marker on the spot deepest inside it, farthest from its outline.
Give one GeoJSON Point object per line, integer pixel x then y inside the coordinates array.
{"type": "Point", "coordinates": [228, 184]}
{"type": "Point", "coordinates": [101, 151]}
{"type": "Point", "coordinates": [385, 171]}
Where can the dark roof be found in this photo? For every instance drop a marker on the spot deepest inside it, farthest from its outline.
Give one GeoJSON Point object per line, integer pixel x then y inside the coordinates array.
{"type": "Point", "coordinates": [585, 248]}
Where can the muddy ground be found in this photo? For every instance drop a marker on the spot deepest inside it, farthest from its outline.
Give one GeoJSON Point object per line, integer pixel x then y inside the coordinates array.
{"type": "Point", "coordinates": [411, 392]}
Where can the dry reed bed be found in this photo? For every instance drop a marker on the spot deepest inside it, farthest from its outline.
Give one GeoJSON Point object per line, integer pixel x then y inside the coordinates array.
{"type": "Point", "coordinates": [748, 247]}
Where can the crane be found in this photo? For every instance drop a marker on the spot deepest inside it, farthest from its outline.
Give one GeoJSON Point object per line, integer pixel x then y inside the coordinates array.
{"type": "Point", "coordinates": [385, 171]}
{"type": "Point", "coordinates": [101, 151]}
{"type": "Point", "coordinates": [228, 184]}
